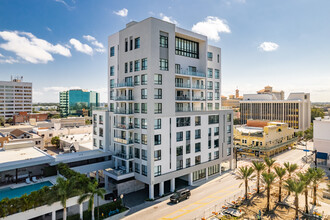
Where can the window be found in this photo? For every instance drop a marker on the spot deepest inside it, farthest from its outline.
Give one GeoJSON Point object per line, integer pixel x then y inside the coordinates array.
{"type": "Point", "coordinates": [136, 138]}
{"type": "Point", "coordinates": [197, 160]}
{"type": "Point", "coordinates": [131, 66]}
{"type": "Point", "coordinates": [218, 58]}
{"type": "Point", "coordinates": [216, 143]}
{"type": "Point", "coordinates": [197, 147]}
{"type": "Point", "coordinates": [137, 153]}
{"type": "Point", "coordinates": [209, 85]}
{"type": "Point", "coordinates": [179, 164]}
{"type": "Point", "coordinates": [210, 156]}
{"type": "Point", "coordinates": [126, 67]}
{"type": "Point", "coordinates": [144, 108]}
{"type": "Point", "coordinates": [188, 162]}
{"type": "Point", "coordinates": [216, 74]}
{"type": "Point", "coordinates": [228, 151]}
{"type": "Point", "coordinates": [112, 83]}
{"type": "Point", "coordinates": [143, 93]}
{"type": "Point", "coordinates": [187, 135]}
{"type": "Point", "coordinates": [101, 144]}
{"type": "Point", "coordinates": [101, 132]}
{"type": "Point", "coordinates": [188, 149]}
{"type": "Point", "coordinates": [228, 128]}
{"type": "Point", "coordinates": [179, 151]}
{"type": "Point", "coordinates": [136, 80]}
{"type": "Point", "coordinates": [209, 56]}
{"type": "Point", "coordinates": [182, 122]}
{"type": "Point", "coordinates": [137, 65]}
{"type": "Point", "coordinates": [144, 79]}
{"type": "Point", "coordinates": [112, 70]}
{"type": "Point", "coordinates": [158, 79]}
{"type": "Point", "coordinates": [216, 85]}
{"type": "Point", "coordinates": [101, 119]}
{"type": "Point", "coordinates": [158, 170]}
{"type": "Point", "coordinates": [163, 41]}
{"type": "Point", "coordinates": [186, 48]}
{"type": "Point", "coordinates": [158, 93]}
{"type": "Point", "coordinates": [177, 68]}
{"type": "Point", "coordinates": [216, 131]}
{"type": "Point", "coordinates": [157, 155]}
{"type": "Point", "coordinates": [210, 73]}
{"type": "Point", "coordinates": [131, 43]}
{"type": "Point", "coordinates": [158, 108]}
{"type": "Point", "coordinates": [144, 170]}
{"type": "Point", "coordinates": [228, 117]}
{"type": "Point", "coordinates": [217, 96]}
{"type": "Point", "coordinates": [144, 124]}
{"type": "Point", "coordinates": [229, 140]}
{"type": "Point", "coordinates": [137, 167]}
{"type": "Point", "coordinates": [144, 154]}
{"type": "Point", "coordinates": [213, 119]}
{"type": "Point", "coordinates": [216, 155]}
{"type": "Point", "coordinates": [209, 144]}
{"type": "Point", "coordinates": [136, 123]}
{"type": "Point", "coordinates": [217, 106]}
{"type": "Point", "coordinates": [198, 134]}
{"type": "Point", "coordinates": [144, 64]}
{"type": "Point", "coordinates": [158, 139]}
{"type": "Point", "coordinates": [209, 106]}
{"type": "Point", "coordinates": [137, 43]}
{"type": "Point", "coordinates": [179, 136]}
{"type": "Point", "coordinates": [158, 123]}
{"type": "Point", "coordinates": [163, 64]}
{"type": "Point", "coordinates": [112, 51]}
{"type": "Point", "coordinates": [197, 120]}
{"type": "Point", "coordinates": [210, 96]}
{"type": "Point", "coordinates": [126, 44]}
{"type": "Point", "coordinates": [210, 132]}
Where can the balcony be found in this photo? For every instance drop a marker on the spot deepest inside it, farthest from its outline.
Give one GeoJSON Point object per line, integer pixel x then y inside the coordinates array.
{"type": "Point", "coordinates": [124, 111]}
{"type": "Point", "coordinates": [124, 156]}
{"type": "Point", "coordinates": [122, 140]}
{"type": "Point", "coordinates": [195, 109]}
{"type": "Point", "coordinates": [118, 174]}
{"type": "Point", "coordinates": [182, 98]}
{"type": "Point", "coordinates": [197, 86]}
{"type": "Point", "coordinates": [124, 98]}
{"type": "Point", "coordinates": [183, 85]}
{"type": "Point", "coordinates": [196, 98]}
{"type": "Point", "coordinates": [191, 73]}
{"type": "Point", "coordinates": [125, 126]}
{"type": "Point", "coordinates": [123, 85]}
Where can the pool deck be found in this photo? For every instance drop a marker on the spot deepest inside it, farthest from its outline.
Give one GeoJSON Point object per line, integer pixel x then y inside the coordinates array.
{"type": "Point", "coordinates": [51, 179]}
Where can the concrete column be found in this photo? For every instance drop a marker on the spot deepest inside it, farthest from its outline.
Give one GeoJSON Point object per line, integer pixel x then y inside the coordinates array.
{"type": "Point", "coordinates": [220, 169]}
{"type": "Point", "coordinates": [54, 215]}
{"type": "Point", "coordinates": [151, 191]}
{"type": "Point", "coordinates": [172, 185]}
{"type": "Point", "coordinates": [127, 166]}
{"type": "Point", "coordinates": [106, 182]}
{"type": "Point", "coordinates": [97, 176]}
{"type": "Point", "coordinates": [116, 163]}
{"type": "Point", "coordinates": [190, 179]}
{"type": "Point", "coordinates": [81, 211]}
{"type": "Point", "coordinates": [206, 174]}
{"type": "Point", "coordinates": [161, 188]}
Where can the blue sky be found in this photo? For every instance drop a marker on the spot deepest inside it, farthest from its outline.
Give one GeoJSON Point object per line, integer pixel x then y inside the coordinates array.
{"type": "Point", "coordinates": [60, 44]}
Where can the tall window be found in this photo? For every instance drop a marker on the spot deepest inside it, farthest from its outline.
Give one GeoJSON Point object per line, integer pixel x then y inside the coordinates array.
{"type": "Point", "coordinates": [137, 43]}
{"type": "Point", "coordinates": [179, 151]}
{"type": "Point", "coordinates": [158, 139]}
{"type": "Point", "coordinates": [187, 135]}
{"type": "Point", "coordinates": [158, 93]}
{"type": "Point", "coordinates": [188, 162]}
{"type": "Point", "coordinates": [177, 68]}
{"type": "Point", "coordinates": [158, 108]}
{"type": "Point", "coordinates": [158, 123]}
{"type": "Point", "coordinates": [143, 93]}
{"type": "Point", "coordinates": [216, 85]}
{"type": "Point", "coordinates": [197, 160]}
{"type": "Point", "coordinates": [126, 67]}
{"type": "Point", "coordinates": [157, 155]}
{"type": "Point", "coordinates": [144, 108]}
{"type": "Point", "coordinates": [131, 43]}
{"type": "Point", "coordinates": [188, 149]}
{"type": "Point", "coordinates": [144, 64]}
{"type": "Point", "coordinates": [126, 45]}
{"type": "Point", "coordinates": [198, 134]}
{"type": "Point", "coordinates": [186, 47]}
{"type": "Point", "coordinates": [163, 64]}
{"type": "Point", "coordinates": [216, 131]}
{"type": "Point", "coordinates": [158, 79]}
{"type": "Point", "coordinates": [112, 70]}
{"type": "Point", "coordinates": [137, 153]}
{"type": "Point", "coordinates": [163, 41]}
{"type": "Point", "coordinates": [210, 96]}
{"type": "Point", "coordinates": [136, 107]}
{"type": "Point", "coordinates": [209, 56]}
{"type": "Point", "coordinates": [144, 139]}
{"type": "Point", "coordinates": [197, 120]}
{"type": "Point", "coordinates": [137, 167]}
{"type": "Point", "coordinates": [218, 58]}
{"type": "Point", "coordinates": [209, 85]}
{"type": "Point", "coordinates": [144, 170]}
{"type": "Point", "coordinates": [179, 136]}
{"type": "Point", "coordinates": [136, 80]}
{"type": "Point", "coordinates": [158, 170]}
{"type": "Point", "coordinates": [197, 147]}
{"type": "Point", "coordinates": [137, 65]}
{"type": "Point", "coordinates": [144, 79]}
{"type": "Point", "coordinates": [112, 51]}
{"type": "Point", "coordinates": [216, 73]}
{"type": "Point", "coordinates": [144, 124]}
{"type": "Point", "coordinates": [131, 66]}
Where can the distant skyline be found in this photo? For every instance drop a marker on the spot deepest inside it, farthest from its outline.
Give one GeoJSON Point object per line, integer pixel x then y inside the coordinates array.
{"type": "Point", "coordinates": [61, 44]}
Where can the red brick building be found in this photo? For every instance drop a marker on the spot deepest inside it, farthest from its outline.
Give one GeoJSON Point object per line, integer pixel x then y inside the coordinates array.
{"type": "Point", "coordinates": [23, 117]}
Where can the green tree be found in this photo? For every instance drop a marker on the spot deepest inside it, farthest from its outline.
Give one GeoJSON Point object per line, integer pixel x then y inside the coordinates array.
{"type": "Point", "coordinates": [308, 133]}
{"type": "Point", "coordinates": [280, 172]}
{"type": "Point", "coordinates": [245, 174]}
{"type": "Point", "coordinates": [9, 121]}
{"type": "Point", "coordinates": [269, 163]}
{"type": "Point", "coordinates": [290, 168]}
{"type": "Point", "coordinates": [88, 122]}
{"type": "Point", "coordinates": [295, 186]}
{"type": "Point", "coordinates": [258, 167]}
{"type": "Point", "coordinates": [268, 179]}
{"type": "Point", "coordinates": [56, 141]}
{"type": "Point", "coordinates": [237, 121]}
{"type": "Point", "coordinates": [2, 121]}
{"type": "Point", "coordinates": [306, 179]}
{"type": "Point", "coordinates": [92, 191]}
{"type": "Point", "coordinates": [316, 112]}
{"type": "Point", "coordinates": [317, 175]}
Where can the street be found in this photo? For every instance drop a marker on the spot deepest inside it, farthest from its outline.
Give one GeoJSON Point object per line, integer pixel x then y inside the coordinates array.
{"type": "Point", "coordinates": [212, 195]}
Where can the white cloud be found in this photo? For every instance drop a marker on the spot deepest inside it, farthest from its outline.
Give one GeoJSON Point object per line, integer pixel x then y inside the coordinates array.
{"type": "Point", "coordinates": [211, 27]}
{"type": "Point", "coordinates": [268, 46]}
{"type": "Point", "coordinates": [123, 12]}
{"type": "Point", "coordinates": [168, 19]}
{"type": "Point", "coordinates": [48, 29]}
{"type": "Point", "coordinates": [30, 48]}
{"type": "Point", "coordinates": [66, 4]}
{"type": "Point", "coordinates": [59, 88]}
{"type": "Point", "coordinates": [83, 48]}
{"type": "Point", "coordinates": [100, 47]}
{"type": "Point", "coordinates": [8, 60]}
{"type": "Point", "coordinates": [1, 55]}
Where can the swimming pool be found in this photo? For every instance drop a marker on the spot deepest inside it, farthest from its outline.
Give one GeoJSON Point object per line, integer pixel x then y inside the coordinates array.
{"type": "Point", "coordinates": [18, 192]}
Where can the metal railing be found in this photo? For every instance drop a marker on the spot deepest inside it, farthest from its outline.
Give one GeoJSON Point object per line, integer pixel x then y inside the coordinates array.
{"type": "Point", "coordinates": [123, 98]}
{"type": "Point", "coordinates": [182, 85]}
{"type": "Point", "coordinates": [124, 126]}
{"type": "Point", "coordinates": [182, 97]}
{"type": "Point", "coordinates": [124, 111]}
{"type": "Point", "coordinates": [124, 84]}
{"type": "Point", "coordinates": [122, 140]}
{"type": "Point", "coordinates": [197, 86]}
{"type": "Point", "coordinates": [190, 73]}
{"type": "Point", "coordinates": [124, 156]}
{"type": "Point", "coordinates": [195, 109]}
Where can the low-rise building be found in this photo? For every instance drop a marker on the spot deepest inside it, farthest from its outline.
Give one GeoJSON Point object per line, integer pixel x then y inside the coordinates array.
{"type": "Point", "coordinates": [263, 138]}
{"type": "Point", "coordinates": [322, 140]}
{"type": "Point", "coordinates": [24, 117]}
{"type": "Point", "coordinates": [232, 100]}
{"type": "Point", "coordinates": [17, 135]}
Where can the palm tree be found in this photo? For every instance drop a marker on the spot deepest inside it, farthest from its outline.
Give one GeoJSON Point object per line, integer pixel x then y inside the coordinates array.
{"type": "Point", "coordinates": [258, 167]}
{"type": "Point", "coordinates": [268, 179]}
{"type": "Point", "coordinates": [93, 191]}
{"type": "Point", "coordinates": [295, 186]}
{"type": "Point", "coordinates": [317, 176]}
{"type": "Point", "coordinates": [269, 163]}
{"type": "Point", "coordinates": [244, 173]}
{"type": "Point", "coordinates": [280, 172]}
{"type": "Point", "coordinates": [306, 179]}
{"type": "Point", "coordinates": [290, 168]}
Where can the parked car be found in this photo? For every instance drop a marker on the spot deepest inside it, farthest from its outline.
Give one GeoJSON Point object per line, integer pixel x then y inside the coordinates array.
{"type": "Point", "coordinates": [180, 195]}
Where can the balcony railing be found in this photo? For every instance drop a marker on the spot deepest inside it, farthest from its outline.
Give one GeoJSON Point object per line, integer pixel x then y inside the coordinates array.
{"type": "Point", "coordinates": [122, 140]}
{"type": "Point", "coordinates": [124, 111]}
{"type": "Point", "coordinates": [124, 84]}
{"type": "Point", "coordinates": [124, 156]}
{"type": "Point", "coordinates": [119, 172]}
{"type": "Point", "coordinates": [182, 97]}
{"type": "Point", "coordinates": [195, 109]}
{"type": "Point", "coordinates": [191, 73]}
{"type": "Point", "coordinates": [182, 85]}
{"type": "Point", "coordinates": [196, 98]}
{"type": "Point", "coordinates": [125, 126]}
{"type": "Point", "coordinates": [196, 86]}
{"type": "Point", "coordinates": [123, 98]}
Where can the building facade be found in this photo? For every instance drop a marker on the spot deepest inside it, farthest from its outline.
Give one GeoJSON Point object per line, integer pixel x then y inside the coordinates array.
{"type": "Point", "coordinates": [322, 140]}
{"type": "Point", "coordinates": [78, 102]}
{"type": "Point", "coordinates": [15, 97]}
{"type": "Point", "coordinates": [164, 120]}
{"type": "Point", "coordinates": [295, 110]}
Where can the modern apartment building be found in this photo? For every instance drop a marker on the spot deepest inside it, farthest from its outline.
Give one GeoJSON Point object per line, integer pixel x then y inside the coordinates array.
{"type": "Point", "coordinates": [78, 102]}
{"type": "Point", "coordinates": [164, 123]}
{"type": "Point", "coordinates": [295, 110]}
{"type": "Point", "coordinates": [15, 97]}
{"type": "Point", "coordinates": [322, 140]}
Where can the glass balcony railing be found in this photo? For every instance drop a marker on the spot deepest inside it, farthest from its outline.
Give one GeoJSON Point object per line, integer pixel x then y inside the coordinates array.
{"type": "Point", "coordinates": [123, 98]}
{"type": "Point", "coordinates": [182, 85]}
{"type": "Point", "coordinates": [124, 111]}
{"type": "Point", "coordinates": [124, 84]}
{"type": "Point", "coordinates": [195, 109]}
{"type": "Point", "coordinates": [122, 140]}
{"type": "Point", "coordinates": [184, 97]}
{"type": "Point", "coordinates": [119, 172]}
{"type": "Point", "coordinates": [198, 98]}
{"type": "Point", "coordinates": [124, 156]}
{"type": "Point", "coordinates": [124, 126]}
{"type": "Point", "coordinates": [197, 86]}
{"type": "Point", "coordinates": [190, 73]}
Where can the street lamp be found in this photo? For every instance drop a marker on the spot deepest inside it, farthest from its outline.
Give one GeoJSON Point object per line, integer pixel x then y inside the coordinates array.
{"type": "Point", "coordinates": [122, 199]}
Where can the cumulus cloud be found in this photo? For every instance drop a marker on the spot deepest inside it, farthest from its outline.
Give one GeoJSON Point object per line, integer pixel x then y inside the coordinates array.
{"type": "Point", "coordinates": [59, 88]}
{"type": "Point", "coordinates": [8, 60]}
{"type": "Point", "coordinates": [1, 55]}
{"type": "Point", "coordinates": [123, 12]}
{"type": "Point", "coordinates": [168, 19]}
{"type": "Point", "coordinates": [30, 48]}
{"type": "Point", "coordinates": [268, 46]}
{"type": "Point", "coordinates": [49, 29]}
{"type": "Point", "coordinates": [211, 27]}
{"type": "Point", "coordinates": [100, 47]}
{"type": "Point", "coordinates": [83, 48]}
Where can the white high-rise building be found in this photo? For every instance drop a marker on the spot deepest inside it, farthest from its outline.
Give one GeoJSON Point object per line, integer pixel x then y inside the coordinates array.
{"type": "Point", "coordinates": [164, 124]}
{"type": "Point", "coordinates": [15, 97]}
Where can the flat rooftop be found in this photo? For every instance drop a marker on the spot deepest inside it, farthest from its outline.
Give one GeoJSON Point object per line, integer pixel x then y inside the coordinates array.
{"type": "Point", "coordinates": [247, 129]}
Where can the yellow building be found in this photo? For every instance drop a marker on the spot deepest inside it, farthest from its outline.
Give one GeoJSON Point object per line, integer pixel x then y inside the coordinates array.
{"type": "Point", "coordinates": [261, 138]}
